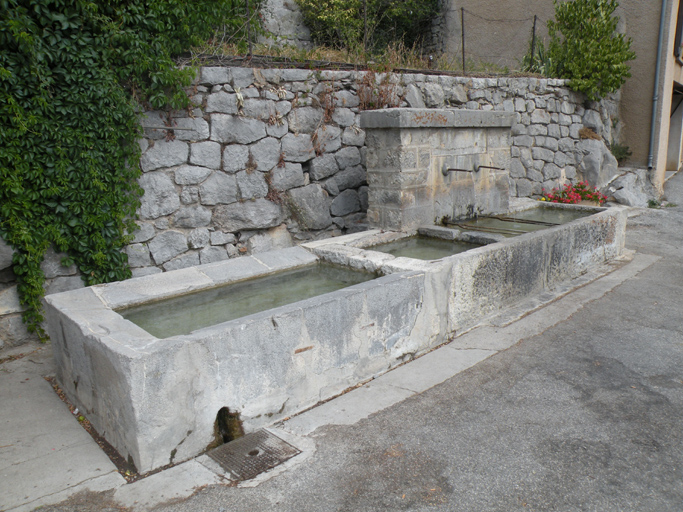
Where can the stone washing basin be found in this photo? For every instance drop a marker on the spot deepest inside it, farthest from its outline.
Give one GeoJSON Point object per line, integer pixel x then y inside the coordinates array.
{"type": "Point", "coordinates": [155, 399]}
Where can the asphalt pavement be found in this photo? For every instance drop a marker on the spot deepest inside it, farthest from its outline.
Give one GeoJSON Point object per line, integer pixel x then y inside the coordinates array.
{"type": "Point", "coordinates": [577, 405]}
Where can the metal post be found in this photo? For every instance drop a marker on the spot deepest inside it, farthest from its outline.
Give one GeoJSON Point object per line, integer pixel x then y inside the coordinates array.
{"type": "Point", "coordinates": [462, 24]}
{"type": "Point", "coordinates": [533, 43]}
{"type": "Point", "coordinates": [365, 26]}
{"type": "Point", "coordinates": [249, 28]}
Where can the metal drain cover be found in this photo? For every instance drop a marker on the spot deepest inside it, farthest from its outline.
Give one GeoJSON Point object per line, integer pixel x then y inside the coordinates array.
{"type": "Point", "coordinates": [248, 456]}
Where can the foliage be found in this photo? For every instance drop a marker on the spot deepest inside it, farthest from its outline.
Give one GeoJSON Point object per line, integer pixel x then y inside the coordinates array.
{"type": "Point", "coordinates": [72, 75]}
{"type": "Point", "coordinates": [585, 47]}
{"type": "Point", "coordinates": [341, 23]}
{"type": "Point", "coordinates": [572, 194]}
{"type": "Point", "coordinates": [621, 152]}
{"type": "Point", "coordinates": [539, 62]}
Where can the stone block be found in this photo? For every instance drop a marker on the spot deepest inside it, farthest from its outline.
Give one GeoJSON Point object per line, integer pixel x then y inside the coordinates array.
{"type": "Point", "coordinates": [214, 75]}
{"type": "Point", "coordinates": [242, 77]}
{"type": "Point", "coordinates": [206, 154]}
{"type": "Point", "coordinates": [323, 167]}
{"type": "Point", "coordinates": [63, 284]}
{"type": "Point", "coordinates": [213, 254]}
{"type": "Point", "coordinates": [524, 188]}
{"type": "Point", "coordinates": [297, 148]}
{"type": "Point", "coordinates": [145, 271]}
{"type": "Point", "coordinates": [219, 188]}
{"type": "Point", "coordinates": [257, 214]}
{"type": "Point", "coordinates": [9, 301]}
{"type": "Point", "coordinates": [164, 154]}
{"type": "Point", "coordinates": [222, 102]}
{"type": "Point", "coordinates": [310, 206]}
{"type": "Point", "coordinates": [455, 95]}
{"type": "Point", "coordinates": [517, 170]}
{"type": "Point", "coordinates": [328, 139]}
{"type": "Point", "coordinates": [252, 185]}
{"type": "Point", "coordinates": [138, 255]}
{"type": "Point", "coordinates": [235, 158]}
{"type": "Point", "coordinates": [277, 130]}
{"type": "Point", "coordinates": [537, 129]}
{"type": "Point", "coordinates": [189, 195]}
{"type": "Point", "coordinates": [13, 331]}
{"type": "Point", "coordinates": [289, 176]}
{"type": "Point", "coordinates": [540, 117]}
{"type": "Point", "coordinates": [352, 177]}
{"type": "Point", "coordinates": [353, 137]}
{"type": "Point", "coordinates": [192, 217]}
{"type": "Point", "coordinates": [542, 154]}
{"type": "Point", "coordinates": [195, 129]}
{"type": "Point", "coordinates": [266, 153]}
{"type": "Point", "coordinates": [167, 245]}
{"type": "Point", "coordinates": [230, 129]}
{"type": "Point", "coordinates": [191, 174]}
{"type": "Point", "coordinates": [413, 96]}
{"type": "Point", "coordinates": [258, 108]}
{"type": "Point", "coordinates": [273, 239]}
{"type": "Point", "coordinates": [198, 238]}
{"type": "Point", "coordinates": [305, 119]}
{"type": "Point", "coordinates": [345, 203]}
{"type": "Point", "coordinates": [220, 238]}
{"type": "Point", "coordinates": [160, 197]}
{"type": "Point", "coordinates": [551, 171]}
{"type": "Point", "coordinates": [346, 99]}
{"type": "Point", "coordinates": [343, 116]}
{"type": "Point", "coordinates": [347, 157]}
{"type": "Point", "coordinates": [598, 165]}
{"type": "Point", "coordinates": [6, 253]}
{"type": "Point", "coordinates": [190, 259]}
{"type": "Point", "coordinates": [433, 95]}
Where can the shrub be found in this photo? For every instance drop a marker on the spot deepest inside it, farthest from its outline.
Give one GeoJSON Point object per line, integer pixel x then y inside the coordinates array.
{"type": "Point", "coordinates": [72, 76]}
{"type": "Point", "coordinates": [340, 23]}
{"type": "Point", "coordinates": [585, 48]}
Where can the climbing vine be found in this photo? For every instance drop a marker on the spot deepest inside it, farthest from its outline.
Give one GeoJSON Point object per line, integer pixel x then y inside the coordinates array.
{"type": "Point", "coordinates": [73, 77]}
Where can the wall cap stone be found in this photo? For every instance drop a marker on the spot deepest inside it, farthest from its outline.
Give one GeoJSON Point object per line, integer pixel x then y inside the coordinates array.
{"type": "Point", "coordinates": [436, 118]}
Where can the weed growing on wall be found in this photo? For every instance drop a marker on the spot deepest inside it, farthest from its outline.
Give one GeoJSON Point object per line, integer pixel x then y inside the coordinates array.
{"type": "Point", "coordinates": [73, 74]}
{"type": "Point", "coordinates": [586, 48]}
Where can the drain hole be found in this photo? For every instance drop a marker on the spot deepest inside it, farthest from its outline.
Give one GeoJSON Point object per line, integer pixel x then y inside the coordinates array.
{"type": "Point", "coordinates": [253, 453]}
{"type": "Point", "coordinates": [229, 425]}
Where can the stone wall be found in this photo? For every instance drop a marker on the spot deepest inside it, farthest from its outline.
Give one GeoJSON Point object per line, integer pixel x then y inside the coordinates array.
{"type": "Point", "coordinates": [268, 158]}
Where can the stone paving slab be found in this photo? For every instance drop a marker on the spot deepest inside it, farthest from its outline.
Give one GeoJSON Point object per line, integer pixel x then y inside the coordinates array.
{"type": "Point", "coordinates": [43, 449]}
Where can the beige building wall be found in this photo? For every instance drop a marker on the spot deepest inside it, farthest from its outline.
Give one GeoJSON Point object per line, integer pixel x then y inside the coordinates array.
{"type": "Point", "coordinates": [640, 20]}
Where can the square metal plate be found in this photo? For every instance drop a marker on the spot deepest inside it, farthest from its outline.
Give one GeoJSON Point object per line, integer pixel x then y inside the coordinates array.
{"type": "Point", "coordinates": [248, 456]}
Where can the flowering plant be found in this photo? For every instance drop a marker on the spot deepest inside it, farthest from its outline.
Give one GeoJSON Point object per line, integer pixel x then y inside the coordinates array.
{"type": "Point", "coordinates": [573, 194]}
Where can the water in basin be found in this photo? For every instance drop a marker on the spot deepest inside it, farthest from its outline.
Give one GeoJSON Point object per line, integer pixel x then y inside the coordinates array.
{"type": "Point", "coordinates": [182, 315]}
{"type": "Point", "coordinates": [423, 248]}
{"type": "Point", "coordinates": [525, 221]}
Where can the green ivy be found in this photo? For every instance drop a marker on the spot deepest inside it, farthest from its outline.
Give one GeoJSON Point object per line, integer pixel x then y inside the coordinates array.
{"type": "Point", "coordinates": [74, 75]}
{"type": "Point", "coordinates": [590, 52]}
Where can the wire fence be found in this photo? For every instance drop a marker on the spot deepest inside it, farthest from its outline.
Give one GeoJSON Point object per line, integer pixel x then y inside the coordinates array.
{"type": "Point", "coordinates": [496, 45]}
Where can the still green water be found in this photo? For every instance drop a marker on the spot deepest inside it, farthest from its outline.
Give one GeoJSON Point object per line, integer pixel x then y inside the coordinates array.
{"type": "Point", "coordinates": [510, 228]}
{"type": "Point", "coordinates": [182, 315]}
{"type": "Point", "coordinates": [423, 248]}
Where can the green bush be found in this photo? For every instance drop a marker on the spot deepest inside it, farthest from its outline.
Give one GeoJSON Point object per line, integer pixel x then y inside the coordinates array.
{"type": "Point", "coordinates": [73, 76]}
{"type": "Point", "coordinates": [340, 23]}
{"type": "Point", "coordinates": [585, 47]}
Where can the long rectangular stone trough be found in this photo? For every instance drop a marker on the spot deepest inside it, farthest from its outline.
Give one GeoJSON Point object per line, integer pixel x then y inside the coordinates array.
{"type": "Point", "coordinates": [156, 400]}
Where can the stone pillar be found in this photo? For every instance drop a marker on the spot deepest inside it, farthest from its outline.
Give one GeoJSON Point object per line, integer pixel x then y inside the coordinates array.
{"type": "Point", "coordinates": [408, 149]}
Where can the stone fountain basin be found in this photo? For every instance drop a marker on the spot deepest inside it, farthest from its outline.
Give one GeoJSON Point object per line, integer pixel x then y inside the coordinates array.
{"type": "Point", "coordinates": [155, 400]}
{"type": "Point", "coordinates": [469, 286]}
